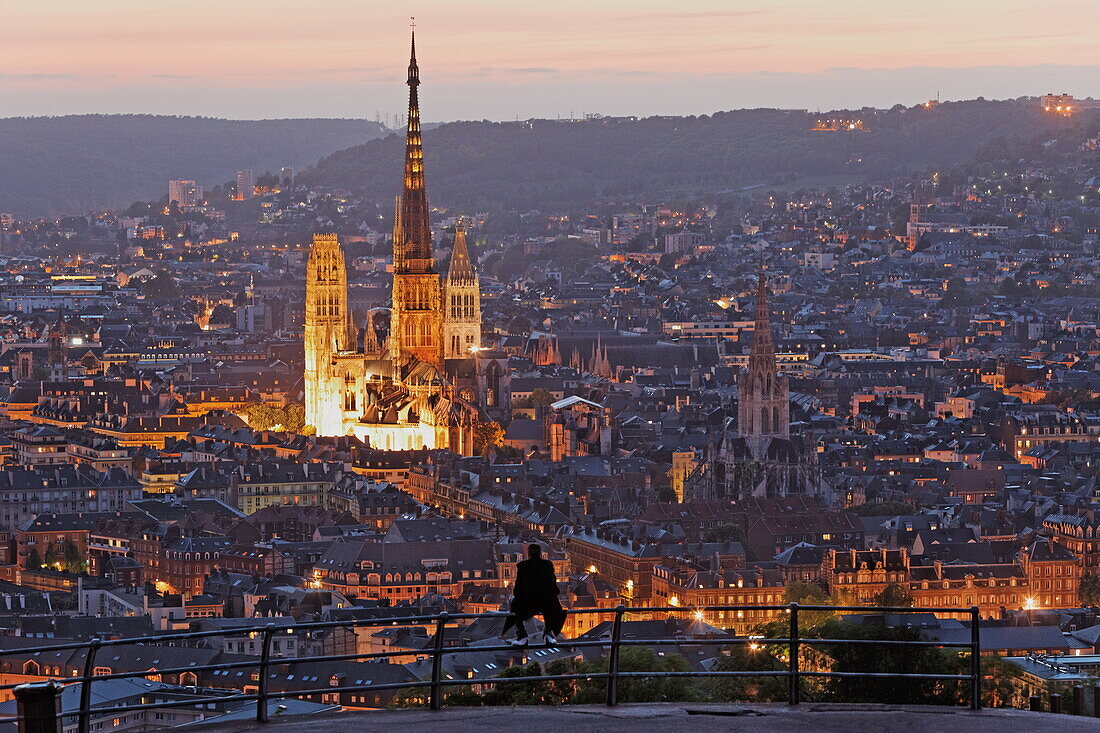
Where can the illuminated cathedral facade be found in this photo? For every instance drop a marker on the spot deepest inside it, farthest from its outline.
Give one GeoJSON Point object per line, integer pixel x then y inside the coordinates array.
{"type": "Point", "coordinates": [425, 381]}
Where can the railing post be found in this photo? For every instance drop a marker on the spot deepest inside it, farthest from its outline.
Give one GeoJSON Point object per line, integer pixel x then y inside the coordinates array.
{"type": "Point", "coordinates": [39, 706]}
{"type": "Point", "coordinates": [1055, 702]}
{"type": "Point", "coordinates": [613, 657]}
{"type": "Point", "coordinates": [1096, 701]}
{"type": "Point", "coordinates": [85, 713]}
{"type": "Point", "coordinates": [265, 658]}
{"type": "Point", "coordinates": [975, 659]}
{"type": "Point", "coordinates": [793, 690]}
{"type": "Point", "coordinates": [437, 662]}
{"type": "Point", "coordinates": [1035, 704]}
{"type": "Point", "coordinates": [1078, 700]}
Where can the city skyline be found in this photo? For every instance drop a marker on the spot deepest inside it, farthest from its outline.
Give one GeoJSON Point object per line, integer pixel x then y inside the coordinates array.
{"type": "Point", "coordinates": [499, 61]}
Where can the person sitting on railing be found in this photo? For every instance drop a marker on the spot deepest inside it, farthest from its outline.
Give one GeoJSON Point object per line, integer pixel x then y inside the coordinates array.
{"type": "Point", "coordinates": [535, 593]}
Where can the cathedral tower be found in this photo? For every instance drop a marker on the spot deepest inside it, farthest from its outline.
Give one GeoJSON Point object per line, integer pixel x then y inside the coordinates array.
{"type": "Point", "coordinates": [416, 317]}
{"type": "Point", "coordinates": [461, 302]}
{"type": "Point", "coordinates": [327, 333]}
{"type": "Point", "coordinates": [764, 408]}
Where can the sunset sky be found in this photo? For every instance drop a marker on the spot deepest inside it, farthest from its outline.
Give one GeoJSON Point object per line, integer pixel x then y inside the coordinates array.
{"type": "Point", "coordinates": [501, 59]}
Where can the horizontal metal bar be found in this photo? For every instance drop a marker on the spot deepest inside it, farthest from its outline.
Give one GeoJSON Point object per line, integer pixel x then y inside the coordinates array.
{"type": "Point", "coordinates": [542, 678]}
{"type": "Point", "coordinates": [887, 642]}
{"type": "Point", "coordinates": [702, 609]}
{"type": "Point", "coordinates": [678, 641]}
{"type": "Point", "coordinates": [901, 675]}
{"type": "Point", "coordinates": [716, 673]}
{"type": "Point", "coordinates": [889, 609]}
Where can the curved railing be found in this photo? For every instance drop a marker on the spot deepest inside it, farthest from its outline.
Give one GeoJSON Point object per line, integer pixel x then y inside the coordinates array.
{"type": "Point", "coordinates": [35, 696]}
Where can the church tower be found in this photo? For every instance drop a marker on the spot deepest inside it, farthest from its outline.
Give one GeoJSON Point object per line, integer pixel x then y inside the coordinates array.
{"type": "Point", "coordinates": [461, 302]}
{"type": "Point", "coordinates": [327, 333]}
{"type": "Point", "coordinates": [764, 408]}
{"type": "Point", "coordinates": [416, 316]}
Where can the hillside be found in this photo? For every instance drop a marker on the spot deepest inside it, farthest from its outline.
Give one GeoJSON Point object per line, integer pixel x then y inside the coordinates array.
{"type": "Point", "coordinates": [518, 165]}
{"type": "Point", "coordinates": [65, 165]}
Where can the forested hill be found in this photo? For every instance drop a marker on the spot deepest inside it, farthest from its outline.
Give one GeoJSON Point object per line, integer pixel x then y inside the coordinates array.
{"type": "Point", "coordinates": [524, 165]}
{"type": "Point", "coordinates": [67, 165]}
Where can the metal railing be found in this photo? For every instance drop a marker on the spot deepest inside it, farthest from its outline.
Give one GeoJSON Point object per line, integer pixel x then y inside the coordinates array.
{"type": "Point", "coordinates": [26, 693]}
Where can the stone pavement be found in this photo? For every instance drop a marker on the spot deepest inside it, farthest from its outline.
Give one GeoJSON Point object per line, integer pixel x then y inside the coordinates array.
{"type": "Point", "coordinates": [682, 717]}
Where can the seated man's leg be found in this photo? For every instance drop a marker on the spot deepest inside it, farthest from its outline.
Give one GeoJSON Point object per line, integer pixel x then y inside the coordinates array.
{"type": "Point", "coordinates": [517, 619]}
{"type": "Point", "coordinates": [554, 618]}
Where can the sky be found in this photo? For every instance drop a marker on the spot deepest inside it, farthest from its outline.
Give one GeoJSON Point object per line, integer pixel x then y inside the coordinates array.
{"type": "Point", "coordinates": [508, 59]}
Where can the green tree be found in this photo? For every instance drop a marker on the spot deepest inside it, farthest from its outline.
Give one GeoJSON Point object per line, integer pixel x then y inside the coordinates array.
{"type": "Point", "coordinates": [1064, 398]}
{"type": "Point", "coordinates": [294, 417]}
{"type": "Point", "coordinates": [745, 658]}
{"type": "Point", "coordinates": [1088, 589]}
{"type": "Point", "coordinates": [34, 560]}
{"type": "Point", "coordinates": [885, 659]}
{"type": "Point", "coordinates": [638, 689]}
{"type": "Point", "coordinates": [725, 533]}
{"type": "Point", "coordinates": [71, 561]}
{"type": "Point", "coordinates": [541, 397]}
{"type": "Point", "coordinates": [51, 555]}
{"type": "Point", "coordinates": [807, 594]}
{"type": "Point", "coordinates": [893, 595]}
{"type": "Point", "coordinates": [161, 286]}
{"type": "Point", "coordinates": [487, 435]}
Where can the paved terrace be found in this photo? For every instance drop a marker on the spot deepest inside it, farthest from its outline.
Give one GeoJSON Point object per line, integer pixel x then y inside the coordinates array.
{"type": "Point", "coordinates": [811, 718]}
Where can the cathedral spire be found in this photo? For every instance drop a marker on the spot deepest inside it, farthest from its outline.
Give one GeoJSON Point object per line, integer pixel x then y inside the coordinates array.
{"type": "Point", "coordinates": [763, 400]}
{"type": "Point", "coordinates": [762, 356]}
{"type": "Point", "coordinates": [416, 238]}
{"type": "Point", "coordinates": [461, 269]}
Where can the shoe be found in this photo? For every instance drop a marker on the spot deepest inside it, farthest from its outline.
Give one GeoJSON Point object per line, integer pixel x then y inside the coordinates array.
{"type": "Point", "coordinates": [553, 639]}
{"type": "Point", "coordinates": [516, 642]}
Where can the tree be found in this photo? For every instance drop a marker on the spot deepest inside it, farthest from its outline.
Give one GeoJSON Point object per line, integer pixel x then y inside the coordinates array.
{"type": "Point", "coordinates": [509, 454]}
{"type": "Point", "coordinates": [724, 533]}
{"type": "Point", "coordinates": [958, 294]}
{"type": "Point", "coordinates": [1088, 589]}
{"type": "Point", "coordinates": [71, 561]}
{"type": "Point", "coordinates": [487, 435]}
{"type": "Point", "coordinates": [666, 495]}
{"type": "Point", "coordinates": [294, 417]}
{"type": "Point", "coordinates": [638, 689]}
{"type": "Point", "coordinates": [886, 659]}
{"type": "Point", "coordinates": [893, 595]}
{"type": "Point", "coordinates": [34, 560]}
{"type": "Point", "coordinates": [806, 594]}
{"type": "Point", "coordinates": [289, 418]}
{"type": "Point", "coordinates": [745, 658]}
{"type": "Point", "coordinates": [541, 397]}
{"type": "Point", "coordinates": [1064, 398]}
{"type": "Point", "coordinates": [161, 286]}
{"type": "Point", "coordinates": [51, 555]}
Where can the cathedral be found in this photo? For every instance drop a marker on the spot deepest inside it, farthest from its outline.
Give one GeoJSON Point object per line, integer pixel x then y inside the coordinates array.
{"type": "Point", "coordinates": [425, 381]}
{"type": "Point", "coordinates": [759, 457]}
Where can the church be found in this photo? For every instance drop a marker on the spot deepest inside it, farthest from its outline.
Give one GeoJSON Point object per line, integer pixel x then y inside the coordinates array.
{"type": "Point", "coordinates": [758, 457]}
{"type": "Point", "coordinates": [424, 381]}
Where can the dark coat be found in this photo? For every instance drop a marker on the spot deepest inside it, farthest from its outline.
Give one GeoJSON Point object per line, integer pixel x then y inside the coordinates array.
{"type": "Point", "coordinates": [536, 585]}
